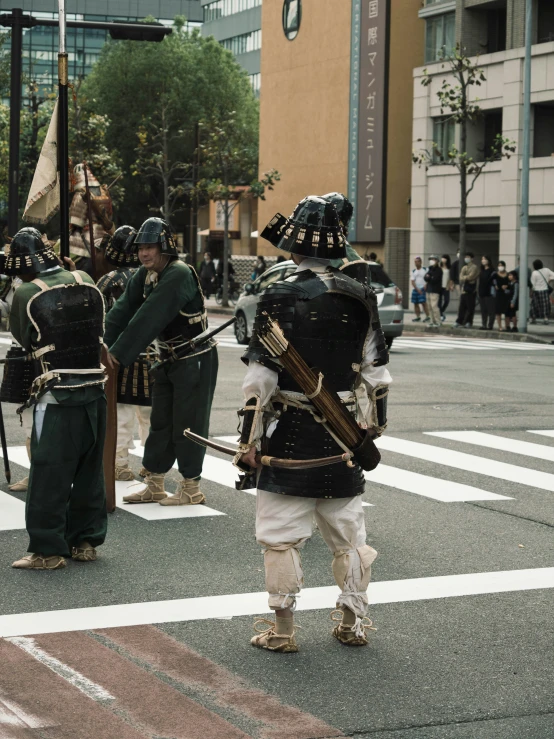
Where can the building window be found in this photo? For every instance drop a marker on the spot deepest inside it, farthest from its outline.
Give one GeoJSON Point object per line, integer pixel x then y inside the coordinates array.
{"type": "Point", "coordinates": [255, 81]}
{"type": "Point", "coordinates": [444, 132]}
{"type": "Point", "coordinates": [223, 8]}
{"type": "Point", "coordinates": [292, 15]}
{"type": "Point", "coordinates": [493, 129]}
{"type": "Point", "coordinates": [496, 30]}
{"type": "Point", "coordinates": [440, 36]}
{"type": "Point", "coordinates": [545, 21]}
{"type": "Point", "coordinates": [244, 43]}
{"type": "Point", "coordinates": [543, 144]}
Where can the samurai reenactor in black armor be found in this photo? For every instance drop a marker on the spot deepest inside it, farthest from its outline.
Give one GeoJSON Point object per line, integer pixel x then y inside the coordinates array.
{"type": "Point", "coordinates": [134, 396]}
{"type": "Point", "coordinates": [333, 323]}
{"type": "Point", "coordinates": [352, 264]}
{"type": "Point", "coordinates": [58, 317]}
{"type": "Point", "coordinates": [163, 301]}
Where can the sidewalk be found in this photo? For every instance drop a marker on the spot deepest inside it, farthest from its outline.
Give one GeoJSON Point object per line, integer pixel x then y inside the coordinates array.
{"type": "Point", "coordinates": [537, 334]}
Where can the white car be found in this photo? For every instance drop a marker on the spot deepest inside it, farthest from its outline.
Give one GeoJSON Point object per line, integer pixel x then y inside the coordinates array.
{"type": "Point", "coordinates": [389, 300]}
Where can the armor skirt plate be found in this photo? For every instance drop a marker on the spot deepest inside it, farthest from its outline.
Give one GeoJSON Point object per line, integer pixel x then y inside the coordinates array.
{"type": "Point", "coordinates": [134, 386]}
{"type": "Point", "coordinates": [299, 436]}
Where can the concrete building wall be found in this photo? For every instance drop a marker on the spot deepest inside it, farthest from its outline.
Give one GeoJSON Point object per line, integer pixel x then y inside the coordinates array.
{"type": "Point", "coordinates": [494, 204]}
{"type": "Point", "coordinates": [304, 113]}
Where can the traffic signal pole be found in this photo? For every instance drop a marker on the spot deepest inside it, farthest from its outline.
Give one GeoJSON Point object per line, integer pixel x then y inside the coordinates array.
{"type": "Point", "coordinates": [17, 21]}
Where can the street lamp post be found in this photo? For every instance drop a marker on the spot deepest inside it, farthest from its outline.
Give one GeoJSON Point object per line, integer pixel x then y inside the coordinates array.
{"type": "Point", "coordinates": [17, 21]}
{"type": "Point", "coordinates": [525, 167]}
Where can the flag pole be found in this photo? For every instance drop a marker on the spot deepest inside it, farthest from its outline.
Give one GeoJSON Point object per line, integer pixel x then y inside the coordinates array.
{"type": "Point", "coordinates": [63, 132]}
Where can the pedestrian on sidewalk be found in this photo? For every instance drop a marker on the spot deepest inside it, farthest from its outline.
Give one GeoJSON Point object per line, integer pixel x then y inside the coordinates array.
{"type": "Point", "coordinates": [433, 287]}
{"type": "Point", "coordinates": [487, 294]}
{"type": "Point", "coordinates": [207, 274]}
{"type": "Point", "coordinates": [541, 290]}
{"type": "Point", "coordinates": [259, 269]}
{"type": "Point", "coordinates": [419, 296]}
{"type": "Point", "coordinates": [502, 299]}
{"type": "Point", "coordinates": [444, 299]}
{"type": "Point", "coordinates": [511, 316]}
{"type": "Point", "coordinates": [469, 274]}
{"type": "Point", "coordinates": [455, 273]}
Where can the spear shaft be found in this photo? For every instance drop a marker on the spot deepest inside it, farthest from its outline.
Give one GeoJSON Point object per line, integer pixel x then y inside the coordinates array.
{"type": "Point", "coordinates": [63, 133]}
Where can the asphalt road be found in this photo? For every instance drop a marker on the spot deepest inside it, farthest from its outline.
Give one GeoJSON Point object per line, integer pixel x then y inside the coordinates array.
{"type": "Point", "coordinates": [463, 588]}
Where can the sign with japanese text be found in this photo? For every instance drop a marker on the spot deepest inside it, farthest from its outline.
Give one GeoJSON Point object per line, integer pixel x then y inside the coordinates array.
{"type": "Point", "coordinates": [368, 119]}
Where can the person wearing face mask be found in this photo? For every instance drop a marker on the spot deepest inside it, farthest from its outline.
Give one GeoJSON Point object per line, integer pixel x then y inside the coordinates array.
{"type": "Point", "coordinates": [444, 299]}
{"type": "Point", "coordinates": [433, 279]}
{"type": "Point", "coordinates": [469, 274]}
{"type": "Point", "coordinates": [487, 294]}
{"type": "Point", "coordinates": [502, 300]}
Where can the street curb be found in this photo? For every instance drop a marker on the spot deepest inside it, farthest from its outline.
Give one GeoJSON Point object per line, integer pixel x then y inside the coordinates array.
{"type": "Point", "coordinates": [475, 334]}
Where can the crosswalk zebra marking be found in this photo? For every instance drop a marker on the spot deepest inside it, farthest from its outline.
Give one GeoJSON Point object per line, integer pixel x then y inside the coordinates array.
{"type": "Point", "coordinates": [503, 444]}
{"type": "Point", "coordinates": [147, 511]}
{"type": "Point", "coordinates": [444, 491]}
{"type": "Point", "coordinates": [13, 513]}
{"type": "Point", "coordinates": [250, 604]}
{"type": "Point", "coordinates": [469, 463]}
{"type": "Point", "coordinates": [542, 432]}
{"type": "Point", "coordinates": [155, 511]}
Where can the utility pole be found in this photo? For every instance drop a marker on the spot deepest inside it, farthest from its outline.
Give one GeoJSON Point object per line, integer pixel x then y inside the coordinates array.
{"type": "Point", "coordinates": [15, 122]}
{"type": "Point", "coordinates": [525, 166]}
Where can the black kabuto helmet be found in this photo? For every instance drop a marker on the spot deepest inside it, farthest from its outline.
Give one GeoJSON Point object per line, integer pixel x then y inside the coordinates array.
{"type": "Point", "coordinates": [120, 250]}
{"type": "Point", "coordinates": [313, 230]}
{"type": "Point", "coordinates": [344, 207]}
{"type": "Point", "coordinates": [156, 231]}
{"type": "Point", "coordinates": [28, 254]}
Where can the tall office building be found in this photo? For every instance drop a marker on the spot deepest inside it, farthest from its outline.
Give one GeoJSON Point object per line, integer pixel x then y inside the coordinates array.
{"type": "Point", "coordinates": [40, 44]}
{"type": "Point", "coordinates": [237, 25]}
{"type": "Point", "coordinates": [493, 33]}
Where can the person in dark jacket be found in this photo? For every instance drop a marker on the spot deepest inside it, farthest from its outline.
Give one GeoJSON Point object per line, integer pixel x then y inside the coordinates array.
{"type": "Point", "coordinates": [259, 269]}
{"type": "Point", "coordinates": [207, 274]}
{"type": "Point", "coordinates": [433, 278]}
{"type": "Point", "coordinates": [444, 299]}
{"type": "Point", "coordinates": [511, 316]}
{"type": "Point", "coordinates": [502, 299]}
{"type": "Point", "coordinates": [455, 272]}
{"type": "Point", "coordinates": [487, 294]}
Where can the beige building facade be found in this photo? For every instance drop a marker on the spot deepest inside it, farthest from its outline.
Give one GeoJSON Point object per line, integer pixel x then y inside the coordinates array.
{"type": "Point", "coordinates": [306, 107]}
{"type": "Point", "coordinates": [496, 32]}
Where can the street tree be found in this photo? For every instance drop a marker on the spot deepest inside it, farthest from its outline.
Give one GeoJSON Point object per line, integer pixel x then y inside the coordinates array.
{"type": "Point", "coordinates": [154, 95]}
{"type": "Point", "coordinates": [457, 104]}
{"type": "Point", "coordinates": [158, 162]}
{"type": "Point", "coordinates": [229, 158]}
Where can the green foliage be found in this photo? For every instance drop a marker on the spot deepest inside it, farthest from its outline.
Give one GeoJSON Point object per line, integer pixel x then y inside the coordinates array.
{"type": "Point", "coordinates": [184, 79]}
{"type": "Point", "coordinates": [4, 67]}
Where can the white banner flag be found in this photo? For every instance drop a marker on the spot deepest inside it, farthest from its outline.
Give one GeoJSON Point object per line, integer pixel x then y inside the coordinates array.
{"type": "Point", "coordinates": [44, 196]}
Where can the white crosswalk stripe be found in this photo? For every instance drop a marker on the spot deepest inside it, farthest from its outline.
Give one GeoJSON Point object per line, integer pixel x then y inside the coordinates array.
{"type": "Point", "coordinates": [549, 433]}
{"type": "Point", "coordinates": [490, 441]}
{"type": "Point", "coordinates": [451, 343]}
{"type": "Point", "coordinates": [468, 462]}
